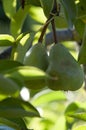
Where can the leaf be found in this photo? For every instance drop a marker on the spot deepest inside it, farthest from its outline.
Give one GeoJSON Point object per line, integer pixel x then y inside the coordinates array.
{"type": "Point", "coordinates": [34, 2]}
{"type": "Point", "coordinates": [28, 76]}
{"type": "Point", "coordinates": [80, 116]}
{"type": "Point", "coordinates": [18, 20]}
{"type": "Point", "coordinates": [7, 86]}
{"type": "Point", "coordinates": [5, 65]}
{"type": "Point", "coordinates": [60, 123]}
{"type": "Point", "coordinates": [26, 73]}
{"type": "Point", "coordinates": [82, 53]}
{"type": "Point", "coordinates": [60, 22]}
{"type": "Point", "coordinates": [81, 10]}
{"type": "Point", "coordinates": [79, 26]}
{"type": "Point", "coordinates": [75, 107]}
{"type": "Point", "coordinates": [9, 7]}
{"type": "Point", "coordinates": [47, 6]}
{"type": "Point", "coordinates": [49, 96]}
{"type": "Point", "coordinates": [38, 14]}
{"type": "Point", "coordinates": [70, 11]}
{"type": "Point", "coordinates": [6, 40]}
{"type": "Point", "coordinates": [16, 123]}
{"type": "Point", "coordinates": [76, 110]}
{"type": "Point", "coordinates": [81, 127]}
{"type": "Point", "coordinates": [18, 52]}
{"type": "Point", "coordinates": [16, 108]}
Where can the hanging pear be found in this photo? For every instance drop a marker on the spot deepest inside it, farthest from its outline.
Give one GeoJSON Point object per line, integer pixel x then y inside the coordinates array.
{"type": "Point", "coordinates": [37, 57]}
{"type": "Point", "coordinates": [66, 74]}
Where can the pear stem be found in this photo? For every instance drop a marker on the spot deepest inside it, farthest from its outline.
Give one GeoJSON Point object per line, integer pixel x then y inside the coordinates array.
{"type": "Point", "coordinates": [54, 31]}
{"type": "Point", "coordinates": [43, 31]}
{"type": "Point", "coordinates": [54, 12]}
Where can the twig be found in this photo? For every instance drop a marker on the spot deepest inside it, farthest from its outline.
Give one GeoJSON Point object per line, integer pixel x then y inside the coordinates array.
{"type": "Point", "coordinates": [54, 31]}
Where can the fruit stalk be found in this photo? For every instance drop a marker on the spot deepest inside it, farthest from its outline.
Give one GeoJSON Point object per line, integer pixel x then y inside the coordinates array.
{"type": "Point", "coordinates": [54, 31]}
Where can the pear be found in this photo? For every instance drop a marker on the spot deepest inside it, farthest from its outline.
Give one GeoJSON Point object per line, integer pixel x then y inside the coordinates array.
{"type": "Point", "coordinates": [66, 74]}
{"type": "Point", "coordinates": [37, 57]}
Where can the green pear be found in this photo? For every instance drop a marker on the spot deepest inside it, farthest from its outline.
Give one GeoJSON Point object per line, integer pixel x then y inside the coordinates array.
{"type": "Point", "coordinates": [66, 74]}
{"type": "Point", "coordinates": [37, 57]}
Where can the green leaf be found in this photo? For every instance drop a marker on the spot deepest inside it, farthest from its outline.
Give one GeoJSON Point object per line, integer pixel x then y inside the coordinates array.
{"type": "Point", "coordinates": [81, 127]}
{"type": "Point", "coordinates": [5, 65]}
{"type": "Point", "coordinates": [71, 108]}
{"type": "Point", "coordinates": [16, 108]}
{"type": "Point", "coordinates": [18, 52]}
{"type": "Point", "coordinates": [26, 73]}
{"type": "Point", "coordinates": [81, 10]}
{"type": "Point", "coordinates": [38, 14]}
{"type": "Point", "coordinates": [49, 96]}
{"type": "Point", "coordinates": [31, 77]}
{"type": "Point", "coordinates": [60, 123]}
{"type": "Point", "coordinates": [82, 53]}
{"type": "Point", "coordinates": [6, 40]}
{"type": "Point", "coordinates": [80, 115]}
{"type": "Point", "coordinates": [47, 6]}
{"type": "Point", "coordinates": [9, 7]}
{"type": "Point", "coordinates": [76, 110]}
{"type": "Point", "coordinates": [79, 26]}
{"type": "Point", "coordinates": [70, 11]}
{"type": "Point", "coordinates": [60, 22]}
{"type": "Point", "coordinates": [34, 2]}
{"type": "Point", "coordinates": [7, 86]}
{"type": "Point", "coordinates": [75, 107]}
{"type": "Point", "coordinates": [16, 123]}
{"type": "Point", "coordinates": [18, 20]}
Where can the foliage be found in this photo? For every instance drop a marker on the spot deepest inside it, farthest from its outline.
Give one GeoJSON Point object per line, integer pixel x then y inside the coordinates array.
{"type": "Point", "coordinates": [39, 69]}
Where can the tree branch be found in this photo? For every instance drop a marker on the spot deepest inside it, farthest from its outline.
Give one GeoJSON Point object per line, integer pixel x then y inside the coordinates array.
{"type": "Point", "coordinates": [62, 35]}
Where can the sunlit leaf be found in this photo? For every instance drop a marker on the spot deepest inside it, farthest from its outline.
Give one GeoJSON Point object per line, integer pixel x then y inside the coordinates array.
{"type": "Point", "coordinates": [75, 107]}
{"type": "Point", "coordinates": [26, 73]}
{"type": "Point", "coordinates": [6, 40]}
{"type": "Point", "coordinates": [60, 123]}
{"type": "Point", "coordinates": [18, 52]}
{"type": "Point", "coordinates": [80, 115]}
{"type": "Point", "coordinates": [18, 20]}
{"type": "Point", "coordinates": [38, 14]}
{"type": "Point", "coordinates": [9, 7]}
{"type": "Point", "coordinates": [76, 110]}
{"type": "Point", "coordinates": [81, 127]}
{"type": "Point", "coordinates": [49, 96]}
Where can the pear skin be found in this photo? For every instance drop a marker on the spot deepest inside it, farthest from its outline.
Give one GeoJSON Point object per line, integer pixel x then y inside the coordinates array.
{"type": "Point", "coordinates": [37, 57]}
{"type": "Point", "coordinates": [66, 74]}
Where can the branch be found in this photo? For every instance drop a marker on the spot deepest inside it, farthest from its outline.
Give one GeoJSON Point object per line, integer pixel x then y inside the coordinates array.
{"type": "Point", "coordinates": [62, 35]}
